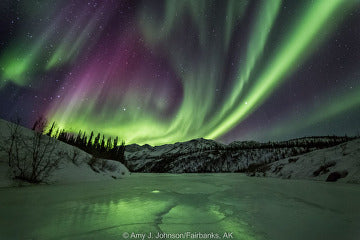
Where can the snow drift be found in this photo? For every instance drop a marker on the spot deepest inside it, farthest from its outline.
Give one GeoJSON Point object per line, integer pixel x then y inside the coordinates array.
{"type": "Point", "coordinates": [74, 165]}
{"type": "Point", "coordinates": [338, 163]}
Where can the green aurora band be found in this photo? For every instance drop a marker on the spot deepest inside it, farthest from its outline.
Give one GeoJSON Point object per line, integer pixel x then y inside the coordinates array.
{"type": "Point", "coordinates": [318, 114]}
{"type": "Point", "coordinates": [284, 62]}
{"type": "Point", "coordinates": [137, 116]}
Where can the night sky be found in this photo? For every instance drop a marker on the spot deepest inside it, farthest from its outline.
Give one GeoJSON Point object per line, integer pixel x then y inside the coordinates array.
{"type": "Point", "coordinates": [165, 71]}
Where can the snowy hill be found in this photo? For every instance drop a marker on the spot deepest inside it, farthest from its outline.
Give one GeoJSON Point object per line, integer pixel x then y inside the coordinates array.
{"type": "Point", "coordinates": [74, 165]}
{"type": "Point", "coordinates": [201, 155]}
{"type": "Point", "coordinates": [338, 163]}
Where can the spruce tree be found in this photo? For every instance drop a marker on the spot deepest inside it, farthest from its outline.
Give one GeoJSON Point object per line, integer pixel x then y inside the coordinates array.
{"type": "Point", "coordinates": [89, 143]}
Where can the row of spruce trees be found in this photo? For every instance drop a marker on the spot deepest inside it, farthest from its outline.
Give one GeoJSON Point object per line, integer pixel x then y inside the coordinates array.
{"type": "Point", "coordinates": [97, 145]}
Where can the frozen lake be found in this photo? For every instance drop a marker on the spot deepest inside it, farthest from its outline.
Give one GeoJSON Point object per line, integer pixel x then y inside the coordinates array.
{"type": "Point", "coordinates": [249, 208]}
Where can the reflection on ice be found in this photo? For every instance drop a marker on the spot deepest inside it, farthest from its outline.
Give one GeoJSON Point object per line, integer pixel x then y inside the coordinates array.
{"type": "Point", "coordinates": [248, 208]}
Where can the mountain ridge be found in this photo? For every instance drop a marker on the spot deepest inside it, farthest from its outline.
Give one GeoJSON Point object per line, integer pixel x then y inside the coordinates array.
{"type": "Point", "coordinates": [204, 155]}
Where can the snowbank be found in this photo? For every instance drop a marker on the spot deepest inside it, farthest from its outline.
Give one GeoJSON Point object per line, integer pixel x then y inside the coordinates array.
{"type": "Point", "coordinates": [340, 163]}
{"type": "Point", "coordinates": [75, 164]}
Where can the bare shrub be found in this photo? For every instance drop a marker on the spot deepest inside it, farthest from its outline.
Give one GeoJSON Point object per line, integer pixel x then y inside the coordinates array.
{"type": "Point", "coordinates": [9, 143]}
{"type": "Point", "coordinates": [98, 165]}
{"type": "Point", "coordinates": [324, 168]}
{"type": "Point", "coordinates": [93, 162]}
{"type": "Point", "coordinates": [74, 156]}
{"type": "Point", "coordinates": [108, 166]}
{"type": "Point", "coordinates": [31, 157]}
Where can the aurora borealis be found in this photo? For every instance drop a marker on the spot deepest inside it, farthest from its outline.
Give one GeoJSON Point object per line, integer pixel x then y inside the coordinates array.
{"type": "Point", "coordinates": [165, 71]}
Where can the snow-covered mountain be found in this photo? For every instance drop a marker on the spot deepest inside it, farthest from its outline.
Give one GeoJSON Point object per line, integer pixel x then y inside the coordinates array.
{"type": "Point", "coordinates": [202, 155]}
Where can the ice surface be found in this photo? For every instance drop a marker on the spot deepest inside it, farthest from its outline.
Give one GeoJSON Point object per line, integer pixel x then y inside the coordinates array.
{"type": "Point", "coordinates": [250, 208]}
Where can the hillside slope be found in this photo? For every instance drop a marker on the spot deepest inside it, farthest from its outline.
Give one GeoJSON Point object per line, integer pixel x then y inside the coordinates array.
{"type": "Point", "coordinates": [338, 163]}
{"type": "Point", "coordinates": [75, 165]}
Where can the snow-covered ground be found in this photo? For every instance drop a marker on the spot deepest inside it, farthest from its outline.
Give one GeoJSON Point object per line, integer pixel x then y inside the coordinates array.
{"type": "Point", "coordinates": [342, 161]}
{"type": "Point", "coordinates": [68, 171]}
{"type": "Point", "coordinates": [249, 208]}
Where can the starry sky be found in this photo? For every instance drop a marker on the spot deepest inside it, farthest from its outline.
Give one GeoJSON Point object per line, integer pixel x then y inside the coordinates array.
{"type": "Point", "coordinates": [159, 72]}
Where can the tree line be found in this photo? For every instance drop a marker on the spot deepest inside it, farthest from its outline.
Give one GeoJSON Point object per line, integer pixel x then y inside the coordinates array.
{"type": "Point", "coordinates": [95, 144]}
